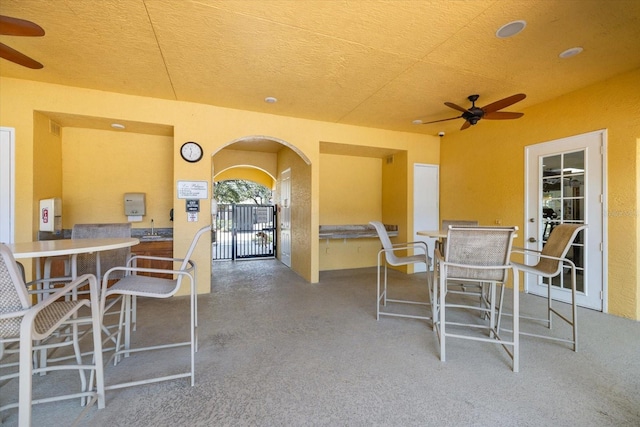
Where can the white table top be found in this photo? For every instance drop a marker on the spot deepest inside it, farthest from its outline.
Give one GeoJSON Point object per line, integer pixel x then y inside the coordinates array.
{"type": "Point", "coordinates": [433, 233]}
{"type": "Point", "coordinates": [46, 248]}
{"type": "Point", "coordinates": [440, 234]}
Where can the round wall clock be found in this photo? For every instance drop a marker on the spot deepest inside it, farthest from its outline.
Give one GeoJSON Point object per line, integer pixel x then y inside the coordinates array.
{"type": "Point", "coordinates": [191, 151]}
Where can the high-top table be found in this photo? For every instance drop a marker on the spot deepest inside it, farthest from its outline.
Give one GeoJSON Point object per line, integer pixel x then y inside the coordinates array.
{"type": "Point", "coordinates": [49, 248]}
{"type": "Point", "coordinates": [438, 234]}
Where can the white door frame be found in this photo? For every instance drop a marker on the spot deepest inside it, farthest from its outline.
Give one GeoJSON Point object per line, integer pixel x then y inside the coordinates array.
{"type": "Point", "coordinates": [594, 146]}
{"type": "Point", "coordinates": [426, 205]}
{"type": "Point", "coordinates": [7, 184]}
{"type": "Point", "coordinates": [285, 217]}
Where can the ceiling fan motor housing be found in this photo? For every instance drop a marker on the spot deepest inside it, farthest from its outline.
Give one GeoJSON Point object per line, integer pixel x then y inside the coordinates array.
{"type": "Point", "coordinates": [473, 115]}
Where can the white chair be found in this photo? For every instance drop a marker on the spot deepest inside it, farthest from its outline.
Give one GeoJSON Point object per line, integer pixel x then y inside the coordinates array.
{"type": "Point", "coordinates": [388, 255]}
{"type": "Point", "coordinates": [134, 285]}
{"type": "Point", "coordinates": [99, 262]}
{"type": "Point", "coordinates": [551, 262]}
{"type": "Point", "coordinates": [87, 263]}
{"type": "Point", "coordinates": [476, 289]}
{"type": "Point", "coordinates": [480, 255]}
{"type": "Point", "coordinates": [23, 324]}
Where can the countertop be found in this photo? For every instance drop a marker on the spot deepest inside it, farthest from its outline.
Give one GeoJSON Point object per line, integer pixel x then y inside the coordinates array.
{"type": "Point", "coordinates": [353, 231]}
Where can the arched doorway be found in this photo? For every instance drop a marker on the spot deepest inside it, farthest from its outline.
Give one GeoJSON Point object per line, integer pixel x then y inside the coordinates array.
{"type": "Point", "coordinates": [245, 221]}
{"type": "Point", "coordinates": [271, 156]}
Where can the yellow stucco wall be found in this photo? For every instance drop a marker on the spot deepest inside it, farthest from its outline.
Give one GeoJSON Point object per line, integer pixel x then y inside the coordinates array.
{"type": "Point", "coordinates": [230, 158]}
{"type": "Point", "coordinates": [481, 169]}
{"type": "Point", "coordinates": [302, 242]}
{"type": "Point", "coordinates": [213, 127]}
{"type": "Point", "coordinates": [100, 166]}
{"type": "Point", "coordinates": [482, 172]}
{"type": "Point", "coordinates": [350, 194]}
{"type": "Point", "coordinates": [47, 165]}
{"type": "Point", "coordinates": [246, 173]}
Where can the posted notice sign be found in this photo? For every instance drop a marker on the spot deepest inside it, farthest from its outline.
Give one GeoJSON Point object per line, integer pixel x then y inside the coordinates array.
{"type": "Point", "coordinates": [193, 189]}
{"type": "Point", "coordinates": [193, 205]}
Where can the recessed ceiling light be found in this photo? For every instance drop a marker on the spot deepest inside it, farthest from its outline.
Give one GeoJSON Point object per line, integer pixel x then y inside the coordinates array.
{"type": "Point", "coordinates": [417, 122]}
{"type": "Point", "coordinates": [571, 52]}
{"type": "Point", "coordinates": [510, 29]}
{"type": "Point", "coordinates": [117, 126]}
{"type": "Point", "coordinates": [270, 100]}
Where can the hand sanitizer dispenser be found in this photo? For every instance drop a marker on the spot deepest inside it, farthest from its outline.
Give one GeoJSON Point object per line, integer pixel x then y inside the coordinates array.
{"type": "Point", "coordinates": [51, 215]}
{"type": "Point", "coordinates": [134, 204]}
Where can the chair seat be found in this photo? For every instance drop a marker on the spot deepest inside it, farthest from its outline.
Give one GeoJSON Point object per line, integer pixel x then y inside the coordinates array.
{"type": "Point", "coordinates": [530, 269]}
{"type": "Point", "coordinates": [413, 259]}
{"type": "Point", "coordinates": [479, 255]}
{"type": "Point", "coordinates": [49, 317]}
{"type": "Point", "coordinates": [28, 327]}
{"type": "Point", "coordinates": [144, 286]}
{"type": "Point", "coordinates": [551, 262]}
{"type": "Point", "coordinates": [134, 285]}
{"type": "Point", "coordinates": [388, 256]}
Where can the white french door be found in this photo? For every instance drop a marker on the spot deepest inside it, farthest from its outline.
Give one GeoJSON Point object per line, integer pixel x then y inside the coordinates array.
{"type": "Point", "coordinates": [565, 184]}
{"type": "Point", "coordinates": [7, 184]}
{"type": "Point", "coordinates": [285, 217]}
{"type": "Point", "coordinates": [426, 207]}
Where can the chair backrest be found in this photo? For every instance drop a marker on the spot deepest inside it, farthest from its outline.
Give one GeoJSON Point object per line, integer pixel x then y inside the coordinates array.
{"type": "Point", "coordinates": [558, 245]}
{"type": "Point", "coordinates": [390, 255]}
{"type": "Point", "coordinates": [193, 245]}
{"type": "Point", "coordinates": [87, 263]}
{"type": "Point", "coordinates": [13, 294]}
{"type": "Point", "coordinates": [447, 222]}
{"type": "Point", "coordinates": [479, 246]}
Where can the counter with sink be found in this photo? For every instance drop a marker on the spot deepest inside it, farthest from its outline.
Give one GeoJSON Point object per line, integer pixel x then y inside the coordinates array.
{"type": "Point", "coordinates": [159, 244]}
{"type": "Point", "coordinates": [159, 234]}
{"type": "Point", "coordinates": [144, 234]}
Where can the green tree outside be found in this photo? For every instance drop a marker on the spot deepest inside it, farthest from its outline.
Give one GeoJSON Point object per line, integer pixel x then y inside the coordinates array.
{"type": "Point", "coordinates": [235, 191]}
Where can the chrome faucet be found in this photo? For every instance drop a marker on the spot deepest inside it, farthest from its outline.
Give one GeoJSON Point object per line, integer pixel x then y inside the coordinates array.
{"type": "Point", "coordinates": [152, 227]}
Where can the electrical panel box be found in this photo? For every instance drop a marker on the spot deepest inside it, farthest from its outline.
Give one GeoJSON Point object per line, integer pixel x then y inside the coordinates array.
{"type": "Point", "coordinates": [134, 204]}
{"type": "Point", "coordinates": [51, 215]}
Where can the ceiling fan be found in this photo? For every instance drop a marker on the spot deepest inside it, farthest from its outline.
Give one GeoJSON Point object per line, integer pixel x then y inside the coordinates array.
{"type": "Point", "coordinates": [489, 112]}
{"type": "Point", "coordinates": [19, 27]}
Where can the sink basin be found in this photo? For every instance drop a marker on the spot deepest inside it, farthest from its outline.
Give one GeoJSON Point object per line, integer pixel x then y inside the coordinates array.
{"type": "Point", "coordinates": [152, 237]}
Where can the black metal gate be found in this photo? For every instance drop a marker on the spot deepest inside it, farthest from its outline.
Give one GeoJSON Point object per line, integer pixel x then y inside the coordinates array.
{"type": "Point", "coordinates": [244, 232]}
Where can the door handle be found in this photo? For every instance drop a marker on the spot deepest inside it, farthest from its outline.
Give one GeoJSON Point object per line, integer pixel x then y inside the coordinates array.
{"type": "Point", "coordinates": [532, 239]}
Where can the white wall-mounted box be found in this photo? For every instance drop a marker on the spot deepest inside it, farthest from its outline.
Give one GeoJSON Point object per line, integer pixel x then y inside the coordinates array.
{"type": "Point", "coordinates": [134, 204]}
{"type": "Point", "coordinates": [51, 215]}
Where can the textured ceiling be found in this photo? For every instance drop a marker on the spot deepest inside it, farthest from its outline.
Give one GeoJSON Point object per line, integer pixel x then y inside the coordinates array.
{"type": "Point", "coordinates": [369, 63]}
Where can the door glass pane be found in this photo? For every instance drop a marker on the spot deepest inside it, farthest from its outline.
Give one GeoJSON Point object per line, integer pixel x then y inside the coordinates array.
{"type": "Point", "coordinates": [573, 210]}
{"type": "Point", "coordinates": [574, 186]}
{"type": "Point", "coordinates": [563, 200]}
{"type": "Point", "coordinates": [551, 187]}
{"type": "Point", "coordinates": [551, 166]}
{"type": "Point", "coordinates": [574, 162]}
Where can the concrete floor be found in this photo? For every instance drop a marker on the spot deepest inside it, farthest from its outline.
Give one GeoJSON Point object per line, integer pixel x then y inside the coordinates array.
{"type": "Point", "coordinates": [278, 351]}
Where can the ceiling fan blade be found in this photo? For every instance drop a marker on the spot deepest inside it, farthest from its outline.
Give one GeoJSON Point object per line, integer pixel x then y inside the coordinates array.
{"type": "Point", "coordinates": [465, 125]}
{"type": "Point", "coordinates": [443, 120]}
{"type": "Point", "coordinates": [498, 105]}
{"type": "Point", "coordinates": [456, 107]}
{"type": "Point", "coordinates": [502, 115]}
{"type": "Point", "coordinates": [19, 58]}
{"type": "Point", "coordinates": [19, 27]}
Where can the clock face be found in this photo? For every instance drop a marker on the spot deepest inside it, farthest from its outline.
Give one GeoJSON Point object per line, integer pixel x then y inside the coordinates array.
{"type": "Point", "coordinates": [191, 151]}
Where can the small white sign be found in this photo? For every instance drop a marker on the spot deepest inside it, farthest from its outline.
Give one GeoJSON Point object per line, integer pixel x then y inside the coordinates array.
{"type": "Point", "coordinates": [262, 214]}
{"type": "Point", "coordinates": [193, 189]}
{"type": "Point", "coordinates": [192, 216]}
